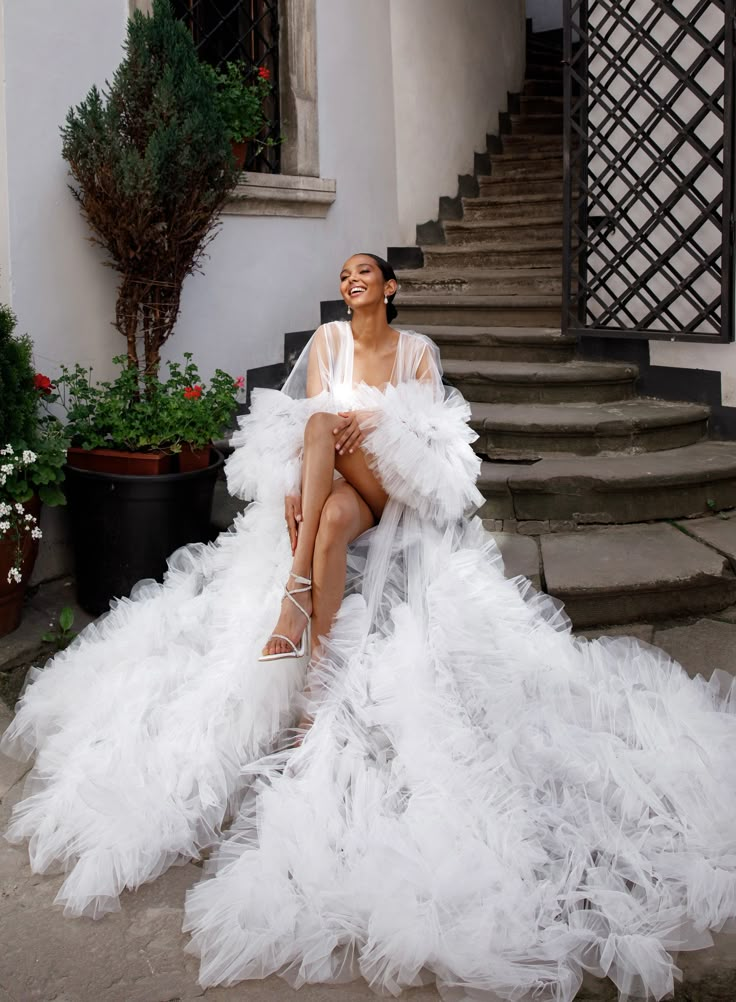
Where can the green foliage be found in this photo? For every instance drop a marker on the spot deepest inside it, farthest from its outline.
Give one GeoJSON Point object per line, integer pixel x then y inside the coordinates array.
{"type": "Point", "coordinates": [152, 167]}
{"type": "Point", "coordinates": [241, 92]}
{"type": "Point", "coordinates": [17, 391]}
{"type": "Point", "coordinates": [148, 414]}
{"type": "Point", "coordinates": [63, 634]}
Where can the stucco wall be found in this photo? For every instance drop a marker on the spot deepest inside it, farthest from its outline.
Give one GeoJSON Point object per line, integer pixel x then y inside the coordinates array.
{"type": "Point", "coordinates": [453, 64]}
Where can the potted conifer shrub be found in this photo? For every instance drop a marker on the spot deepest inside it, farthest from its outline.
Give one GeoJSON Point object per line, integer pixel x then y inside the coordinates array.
{"type": "Point", "coordinates": [151, 169]}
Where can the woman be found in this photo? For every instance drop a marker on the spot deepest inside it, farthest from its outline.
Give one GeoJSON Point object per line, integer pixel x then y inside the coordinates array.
{"type": "Point", "coordinates": [479, 799]}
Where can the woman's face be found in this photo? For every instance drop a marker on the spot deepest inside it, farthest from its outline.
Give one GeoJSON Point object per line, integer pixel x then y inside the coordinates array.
{"type": "Point", "coordinates": [362, 283]}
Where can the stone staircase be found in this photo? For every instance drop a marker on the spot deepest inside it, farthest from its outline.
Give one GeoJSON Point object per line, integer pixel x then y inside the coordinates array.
{"type": "Point", "coordinates": [613, 502]}
{"type": "Point", "coordinates": [618, 504]}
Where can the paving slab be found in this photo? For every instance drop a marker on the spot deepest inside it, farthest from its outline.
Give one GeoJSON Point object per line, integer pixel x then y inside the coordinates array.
{"type": "Point", "coordinates": [701, 647]}
{"type": "Point", "coordinates": [634, 573]}
{"type": "Point", "coordinates": [718, 532]}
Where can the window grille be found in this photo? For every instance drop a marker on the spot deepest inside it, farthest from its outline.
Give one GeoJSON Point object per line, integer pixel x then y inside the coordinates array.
{"type": "Point", "coordinates": [248, 30]}
{"type": "Point", "coordinates": [648, 120]}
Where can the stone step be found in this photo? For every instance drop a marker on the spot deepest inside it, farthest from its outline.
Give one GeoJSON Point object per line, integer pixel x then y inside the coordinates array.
{"type": "Point", "coordinates": [552, 86]}
{"type": "Point", "coordinates": [484, 209]}
{"type": "Point", "coordinates": [529, 431]}
{"type": "Point", "coordinates": [546, 105]}
{"type": "Point", "coordinates": [563, 493]}
{"type": "Point", "coordinates": [483, 255]}
{"type": "Point", "coordinates": [546, 123]}
{"type": "Point", "coordinates": [473, 311]}
{"type": "Point", "coordinates": [532, 142]}
{"type": "Point", "coordinates": [534, 167]}
{"type": "Point", "coordinates": [520, 344]}
{"type": "Point", "coordinates": [635, 573]}
{"type": "Point", "coordinates": [482, 281]}
{"type": "Point", "coordinates": [520, 188]}
{"type": "Point", "coordinates": [513, 231]}
{"type": "Point", "coordinates": [579, 381]}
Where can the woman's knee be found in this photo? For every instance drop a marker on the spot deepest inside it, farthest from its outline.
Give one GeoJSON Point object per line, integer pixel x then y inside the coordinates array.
{"type": "Point", "coordinates": [338, 518]}
{"type": "Point", "coordinates": [319, 425]}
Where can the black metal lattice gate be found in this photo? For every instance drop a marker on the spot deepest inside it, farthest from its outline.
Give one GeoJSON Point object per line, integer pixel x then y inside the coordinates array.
{"type": "Point", "coordinates": [648, 168]}
{"type": "Point", "coordinates": [241, 30]}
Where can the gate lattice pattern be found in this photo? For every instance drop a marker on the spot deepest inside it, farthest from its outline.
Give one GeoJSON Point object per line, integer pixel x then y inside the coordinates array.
{"type": "Point", "coordinates": [648, 242]}
{"type": "Point", "coordinates": [230, 30]}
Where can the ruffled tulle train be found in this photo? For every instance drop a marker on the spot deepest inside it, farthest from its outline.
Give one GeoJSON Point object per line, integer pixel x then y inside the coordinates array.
{"type": "Point", "coordinates": [482, 800]}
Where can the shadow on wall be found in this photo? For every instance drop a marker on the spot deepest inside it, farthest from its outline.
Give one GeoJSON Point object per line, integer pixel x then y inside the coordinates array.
{"type": "Point", "coordinates": [545, 14]}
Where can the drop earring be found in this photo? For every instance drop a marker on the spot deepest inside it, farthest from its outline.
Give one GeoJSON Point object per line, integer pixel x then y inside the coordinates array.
{"type": "Point", "coordinates": [349, 311]}
{"type": "Point", "coordinates": [385, 299]}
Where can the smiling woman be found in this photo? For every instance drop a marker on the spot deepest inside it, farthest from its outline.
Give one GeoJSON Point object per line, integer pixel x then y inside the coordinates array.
{"type": "Point", "coordinates": [472, 796]}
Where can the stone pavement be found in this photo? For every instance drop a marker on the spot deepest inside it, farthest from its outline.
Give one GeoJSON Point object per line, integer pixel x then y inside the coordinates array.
{"type": "Point", "coordinates": [137, 954]}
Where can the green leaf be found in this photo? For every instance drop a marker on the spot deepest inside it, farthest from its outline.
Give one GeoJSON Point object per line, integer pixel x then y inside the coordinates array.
{"type": "Point", "coordinates": [66, 618]}
{"type": "Point", "coordinates": [52, 495]}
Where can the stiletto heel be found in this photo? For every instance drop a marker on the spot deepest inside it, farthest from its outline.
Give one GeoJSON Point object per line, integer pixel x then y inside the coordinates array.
{"type": "Point", "coordinates": [305, 642]}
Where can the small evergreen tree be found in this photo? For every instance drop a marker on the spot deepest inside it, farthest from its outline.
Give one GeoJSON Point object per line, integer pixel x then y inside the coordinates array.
{"type": "Point", "coordinates": [152, 164]}
{"type": "Point", "coordinates": [19, 398]}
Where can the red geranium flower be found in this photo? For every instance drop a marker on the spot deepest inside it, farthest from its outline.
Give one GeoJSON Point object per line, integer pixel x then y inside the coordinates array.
{"type": "Point", "coordinates": [239, 383]}
{"type": "Point", "coordinates": [42, 383]}
{"type": "Point", "coordinates": [193, 392]}
{"type": "Point", "coordinates": [264, 74]}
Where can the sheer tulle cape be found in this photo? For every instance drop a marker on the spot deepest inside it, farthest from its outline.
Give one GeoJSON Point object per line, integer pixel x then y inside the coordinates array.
{"type": "Point", "coordinates": [482, 800]}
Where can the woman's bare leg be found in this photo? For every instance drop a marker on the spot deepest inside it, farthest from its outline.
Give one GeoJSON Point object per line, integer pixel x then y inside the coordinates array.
{"type": "Point", "coordinates": [345, 516]}
{"type": "Point", "coordinates": [317, 478]}
{"type": "Point", "coordinates": [319, 464]}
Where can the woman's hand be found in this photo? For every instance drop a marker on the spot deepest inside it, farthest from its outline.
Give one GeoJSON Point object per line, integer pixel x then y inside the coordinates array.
{"type": "Point", "coordinates": [293, 516]}
{"type": "Point", "coordinates": [349, 435]}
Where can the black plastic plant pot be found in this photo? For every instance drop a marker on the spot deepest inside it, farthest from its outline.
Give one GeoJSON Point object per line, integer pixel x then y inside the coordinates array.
{"type": "Point", "coordinates": [125, 527]}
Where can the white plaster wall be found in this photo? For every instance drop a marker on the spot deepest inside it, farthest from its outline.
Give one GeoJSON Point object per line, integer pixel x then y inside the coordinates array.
{"type": "Point", "coordinates": [53, 54]}
{"type": "Point", "coordinates": [546, 14]}
{"type": "Point", "coordinates": [5, 291]}
{"type": "Point", "coordinates": [453, 64]}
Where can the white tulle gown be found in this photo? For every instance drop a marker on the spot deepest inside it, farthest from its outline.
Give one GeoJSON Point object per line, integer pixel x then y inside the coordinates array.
{"type": "Point", "coordinates": [482, 800]}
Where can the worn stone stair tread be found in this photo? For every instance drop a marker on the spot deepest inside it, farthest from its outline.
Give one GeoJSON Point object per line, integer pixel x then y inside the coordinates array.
{"type": "Point", "coordinates": [479, 246]}
{"type": "Point", "coordinates": [718, 532]}
{"type": "Point", "coordinates": [490, 201]}
{"type": "Point", "coordinates": [576, 371]}
{"type": "Point", "coordinates": [591, 418]}
{"type": "Point", "coordinates": [541, 156]}
{"type": "Point", "coordinates": [447, 333]}
{"type": "Point", "coordinates": [634, 572]}
{"type": "Point", "coordinates": [666, 484]}
{"type": "Point", "coordinates": [429, 274]}
{"type": "Point", "coordinates": [522, 221]}
{"type": "Point", "coordinates": [450, 300]}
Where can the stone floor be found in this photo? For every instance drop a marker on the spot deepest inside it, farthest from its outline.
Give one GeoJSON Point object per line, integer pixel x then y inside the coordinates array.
{"type": "Point", "coordinates": [137, 954]}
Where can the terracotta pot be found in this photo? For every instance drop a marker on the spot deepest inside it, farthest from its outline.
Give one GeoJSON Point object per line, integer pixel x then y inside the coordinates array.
{"type": "Point", "coordinates": [12, 593]}
{"type": "Point", "coordinates": [240, 152]}
{"type": "Point", "coordinates": [194, 459]}
{"type": "Point", "coordinates": [114, 461]}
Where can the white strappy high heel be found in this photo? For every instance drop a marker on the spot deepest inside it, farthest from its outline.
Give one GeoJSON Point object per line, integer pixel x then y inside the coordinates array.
{"type": "Point", "coordinates": [305, 642]}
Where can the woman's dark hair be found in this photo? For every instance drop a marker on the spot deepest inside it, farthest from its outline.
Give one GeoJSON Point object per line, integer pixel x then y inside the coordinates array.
{"type": "Point", "coordinates": [388, 275]}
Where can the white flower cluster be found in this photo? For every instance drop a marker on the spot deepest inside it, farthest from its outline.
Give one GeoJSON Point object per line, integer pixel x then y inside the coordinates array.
{"type": "Point", "coordinates": [13, 516]}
